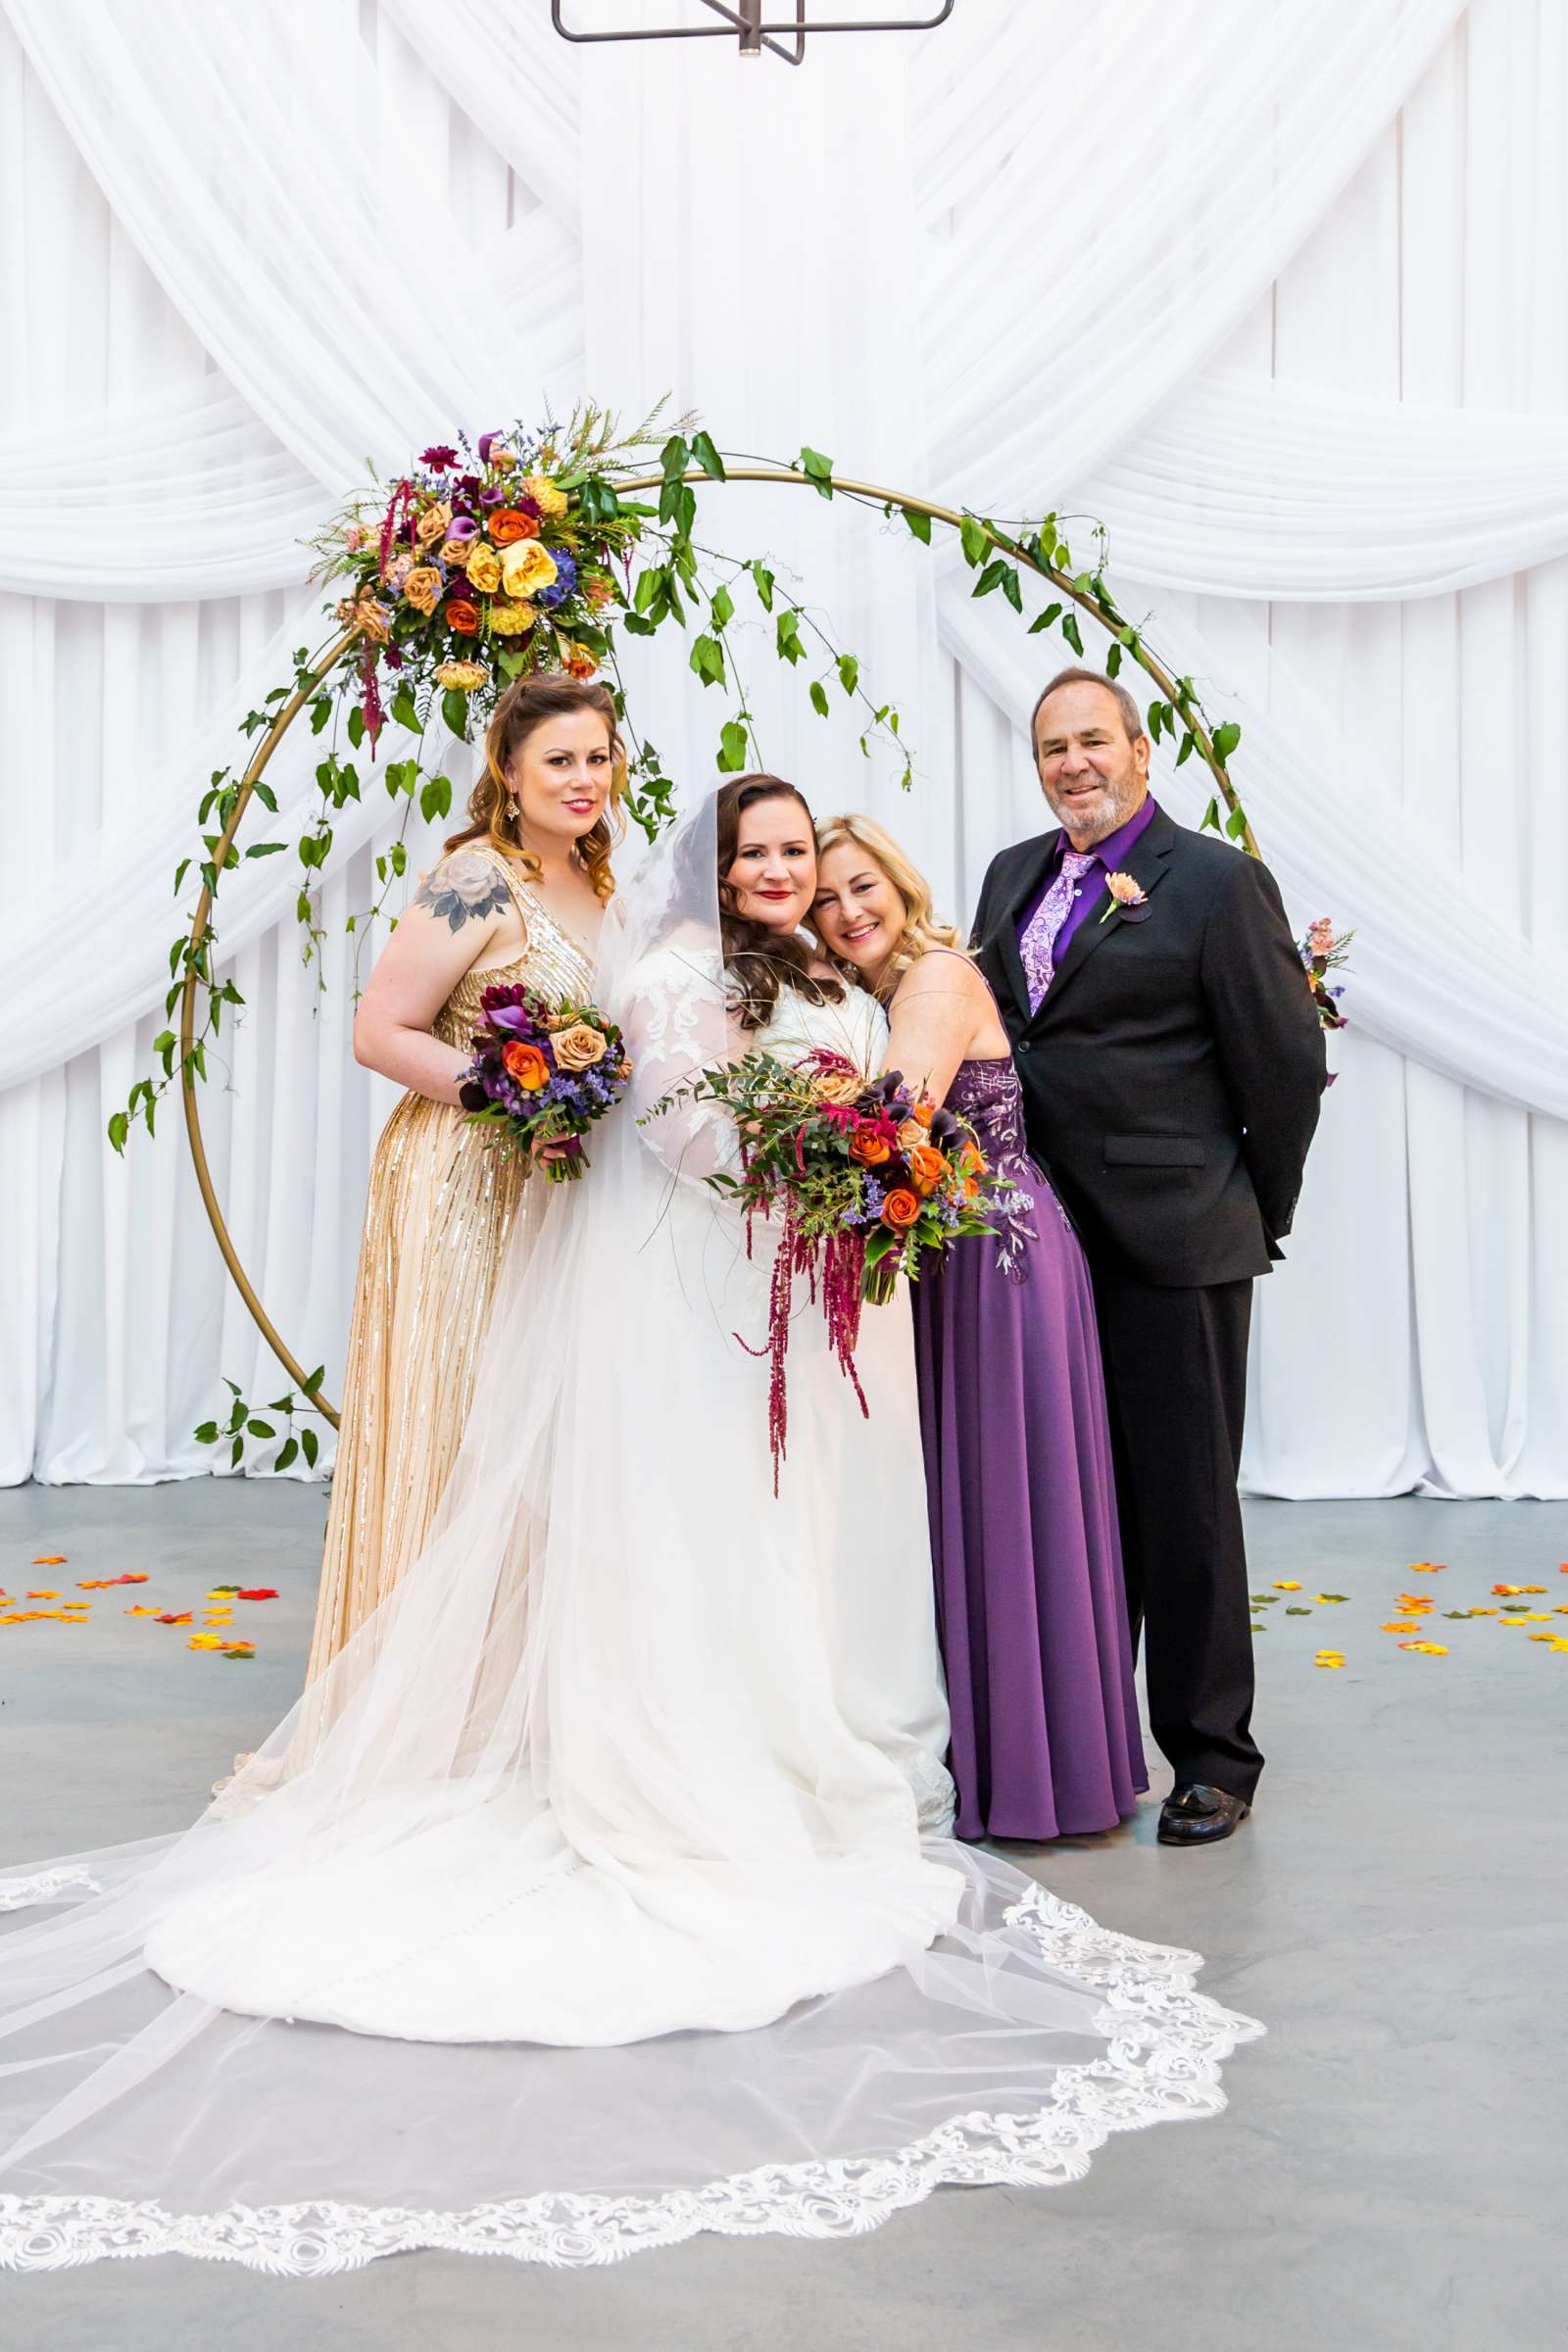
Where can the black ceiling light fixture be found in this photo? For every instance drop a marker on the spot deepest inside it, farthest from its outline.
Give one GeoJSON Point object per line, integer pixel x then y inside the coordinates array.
{"type": "Point", "coordinates": [759, 25]}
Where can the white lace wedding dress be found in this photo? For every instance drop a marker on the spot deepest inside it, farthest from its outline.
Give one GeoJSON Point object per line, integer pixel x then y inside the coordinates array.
{"type": "Point", "coordinates": [603, 1840]}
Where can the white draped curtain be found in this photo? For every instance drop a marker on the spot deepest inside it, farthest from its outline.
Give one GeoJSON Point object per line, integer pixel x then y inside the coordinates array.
{"type": "Point", "coordinates": [1271, 286]}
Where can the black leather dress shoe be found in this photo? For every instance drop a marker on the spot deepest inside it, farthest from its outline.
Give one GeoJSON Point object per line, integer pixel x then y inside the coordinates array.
{"type": "Point", "coordinates": [1198, 1815]}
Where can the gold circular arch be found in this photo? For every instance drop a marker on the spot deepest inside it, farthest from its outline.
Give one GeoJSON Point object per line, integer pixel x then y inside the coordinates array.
{"type": "Point", "coordinates": [869, 492]}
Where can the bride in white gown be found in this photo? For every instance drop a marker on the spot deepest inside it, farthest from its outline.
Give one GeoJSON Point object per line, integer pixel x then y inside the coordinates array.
{"type": "Point", "coordinates": [605, 1837]}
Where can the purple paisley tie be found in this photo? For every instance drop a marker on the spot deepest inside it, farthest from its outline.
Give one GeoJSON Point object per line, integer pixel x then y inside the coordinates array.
{"type": "Point", "coordinates": [1039, 942]}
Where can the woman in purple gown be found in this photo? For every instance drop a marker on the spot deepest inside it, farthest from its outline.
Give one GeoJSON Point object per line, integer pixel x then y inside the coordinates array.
{"type": "Point", "coordinates": [1030, 1600]}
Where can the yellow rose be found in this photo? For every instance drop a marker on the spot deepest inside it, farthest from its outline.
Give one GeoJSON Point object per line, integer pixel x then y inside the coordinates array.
{"type": "Point", "coordinates": [838, 1086]}
{"type": "Point", "coordinates": [465, 676]}
{"type": "Point", "coordinates": [578, 1047]}
{"type": "Point", "coordinates": [431, 524]}
{"type": "Point", "coordinates": [512, 621]}
{"type": "Point", "coordinates": [526, 565]}
{"type": "Point", "coordinates": [456, 552]}
{"type": "Point", "coordinates": [423, 588]}
{"type": "Point", "coordinates": [546, 496]}
{"type": "Point", "coordinates": [484, 568]}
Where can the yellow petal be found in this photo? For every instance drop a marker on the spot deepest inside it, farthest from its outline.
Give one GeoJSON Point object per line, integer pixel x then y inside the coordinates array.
{"type": "Point", "coordinates": [1285, 1584]}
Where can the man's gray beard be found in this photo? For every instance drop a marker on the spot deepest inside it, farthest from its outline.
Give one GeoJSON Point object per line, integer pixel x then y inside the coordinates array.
{"type": "Point", "coordinates": [1100, 828]}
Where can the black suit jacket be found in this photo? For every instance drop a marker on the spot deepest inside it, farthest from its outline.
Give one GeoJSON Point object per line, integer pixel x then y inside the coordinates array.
{"type": "Point", "coordinates": [1173, 1074]}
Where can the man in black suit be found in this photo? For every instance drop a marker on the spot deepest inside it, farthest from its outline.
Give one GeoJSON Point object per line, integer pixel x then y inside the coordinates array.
{"type": "Point", "coordinates": [1172, 1067]}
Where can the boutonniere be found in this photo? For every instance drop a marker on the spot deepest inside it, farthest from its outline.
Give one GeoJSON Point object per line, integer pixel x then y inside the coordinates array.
{"type": "Point", "coordinates": [1125, 893]}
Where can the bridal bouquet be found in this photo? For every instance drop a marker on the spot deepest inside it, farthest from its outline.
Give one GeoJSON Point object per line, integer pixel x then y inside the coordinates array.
{"type": "Point", "coordinates": [489, 558]}
{"type": "Point", "coordinates": [543, 1073]}
{"type": "Point", "coordinates": [867, 1179]}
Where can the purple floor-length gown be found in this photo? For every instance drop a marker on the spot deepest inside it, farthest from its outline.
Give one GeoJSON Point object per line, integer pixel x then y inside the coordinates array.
{"type": "Point", "coordinates": [1030, 1600]}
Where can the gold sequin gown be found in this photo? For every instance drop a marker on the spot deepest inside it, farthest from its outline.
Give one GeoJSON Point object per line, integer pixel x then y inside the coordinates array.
{"type": "Point", "coordinates": [443, 1207]}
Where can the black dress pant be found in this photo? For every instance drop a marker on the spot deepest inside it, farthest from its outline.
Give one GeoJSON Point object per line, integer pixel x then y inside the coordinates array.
{"type": "Point", "coordinates": [1176, 1383]}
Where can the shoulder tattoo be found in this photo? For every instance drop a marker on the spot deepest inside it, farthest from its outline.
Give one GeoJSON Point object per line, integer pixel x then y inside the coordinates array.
{"type": "Point", "coordinates": [464, 888]}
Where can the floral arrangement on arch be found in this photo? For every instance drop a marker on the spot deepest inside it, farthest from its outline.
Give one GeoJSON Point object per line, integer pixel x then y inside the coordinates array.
{"type": "Point", "coordinates": [487, 560]}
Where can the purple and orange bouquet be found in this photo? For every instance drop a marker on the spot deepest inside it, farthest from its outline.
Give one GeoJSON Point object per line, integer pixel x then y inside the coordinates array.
{"type": "Point", "coordinates": [866, 1178]}
{"type": "Point", "coordinates": [543, 1073]}
{"type": "Point", "coordinates": [1323, 951]}
{"type": "Point", "coordinates": [488, 560]}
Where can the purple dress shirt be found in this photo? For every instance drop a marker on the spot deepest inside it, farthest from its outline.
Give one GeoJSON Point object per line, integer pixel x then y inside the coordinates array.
{"type": "Point", "coordinates": [1108, 856]}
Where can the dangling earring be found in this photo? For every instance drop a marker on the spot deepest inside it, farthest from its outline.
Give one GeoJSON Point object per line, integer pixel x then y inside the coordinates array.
{"type": "Point", "coordinates": [513, 812]}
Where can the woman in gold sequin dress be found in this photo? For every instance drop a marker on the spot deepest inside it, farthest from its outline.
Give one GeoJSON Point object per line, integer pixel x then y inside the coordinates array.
{"type": "Point", "coordinates": [518, 897]}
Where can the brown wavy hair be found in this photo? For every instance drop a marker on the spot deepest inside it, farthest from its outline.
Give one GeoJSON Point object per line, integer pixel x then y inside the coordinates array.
{"type": "Point", "coordinates": [522, 706]}
{"type": "Point", "coordinates": [758, 960]}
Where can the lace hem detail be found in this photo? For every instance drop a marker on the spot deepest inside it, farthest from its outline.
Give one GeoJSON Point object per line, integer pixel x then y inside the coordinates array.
{"type": "Point", "coordinates": [1162, 2063]}
{"type": "Point", "coordinates": [45, 1886]}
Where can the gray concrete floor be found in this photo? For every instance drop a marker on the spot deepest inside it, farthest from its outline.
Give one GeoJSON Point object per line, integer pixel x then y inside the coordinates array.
{"type": "Point", "coordinates": [1388, 2174]}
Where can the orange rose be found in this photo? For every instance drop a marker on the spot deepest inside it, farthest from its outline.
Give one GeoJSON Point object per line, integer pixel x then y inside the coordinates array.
{"type": "Point", "coordinates": [578, 660]}
{"type": "Point", "coordinates": [927, 1167]}
{"type": "Point", "coordinates": [925, 1111]}
{"type": "Point", "coordinates": [527, 1065]}
{"type": "Point", "coordinates": [507, 525]}
{"type": "Point", "coordinates": [900, 1208]}
{"type": "Point", "coordinates": [423, 588]}
{"type": "Point", "coordinates": [462, 617]}
{"type": "Point", "coordinates": [869, 1148]}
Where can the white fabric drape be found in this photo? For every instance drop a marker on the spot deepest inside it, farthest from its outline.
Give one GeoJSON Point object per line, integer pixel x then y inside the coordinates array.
{"type": "Point", "coordinates": [1266, 286]}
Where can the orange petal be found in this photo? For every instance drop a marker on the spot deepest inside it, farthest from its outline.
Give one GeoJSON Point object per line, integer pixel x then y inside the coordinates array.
{"type": "Point", "coordinates": [50, 1560]}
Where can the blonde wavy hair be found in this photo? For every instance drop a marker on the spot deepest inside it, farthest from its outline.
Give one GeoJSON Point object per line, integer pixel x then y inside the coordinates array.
{"type": "Point", "coordinates": [921, 930]}
{"type": "Point", "coordinates": [524, 706]}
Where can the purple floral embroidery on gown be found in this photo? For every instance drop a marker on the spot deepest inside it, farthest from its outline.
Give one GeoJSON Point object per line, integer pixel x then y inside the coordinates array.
{"type": "Point", "coordinates": [1030, 1599]}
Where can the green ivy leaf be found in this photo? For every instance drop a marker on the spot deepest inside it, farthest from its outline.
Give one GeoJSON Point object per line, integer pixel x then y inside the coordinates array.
{"type": "Point", "coordinates": [919, 524]}
{"type": "Point", "coordinates": [1050, 613]}
{"type": "Point", "coordinates": [706, 660]}
{"type": "Point", "coordinates": [763, 580]}
{"type": "Point", "coordinates": [820, 698]}
{"type": "Point", "coordinates": [1226, 739]}
{"type": "Point", "coordinates": [310, 1445]}
{"type": "Point", "coordinates": [404, 711]}
{"type": "Point", "coordinates": [1235, 823]}
{"type": "Point", "coordinates": [849, 672]}
{"type": "Point", "coordinates": [455, 711]}
{"type": "Point", "coordinates": [260, 1429]}
{"type": "Point", "coordinates": [649, 585]}
{"type": "Point", "coordinates": [1012, 589]}
{"type": "Point", "coordinates": [1210, 823]}
{"type": "Point", "coordinates": [264, 849]}
{"type": "Point", "coordinates": [819, 469]}
{"type": "Point", "coordinates": [1112, 659]}
{"type": "Point", "coordinates": [1073, 634]}
{"type": "Point", "coordinates": [236, 1454]}
{"type": "Point", "coordinates": [118, 1130]}
{"type": "Point", "coordinates": [435, 797]}
{"type": "Point", "coordinates": [287, 1454]}
{"type": "Point", "coordinates": [990, 578]}
{"type": "Point", "coordinates": [732, 747]}
{"type": "Point", "coordinates": [708, 457]}
{"type": "Point", "coordinates": [723, 607]}
{"type": "Point", "coordinates": [972, 536]}
{"type": "Point", "coordinates": [786, 637]}
{"type": "Point", "coordinates": [674, 458]}
{"type": "Point", "coordinates": [356, 726]}
{"type": "Point", "coordinates": [207, 1434]}
{"type": "Point", "coordinates": [1186, 751]}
